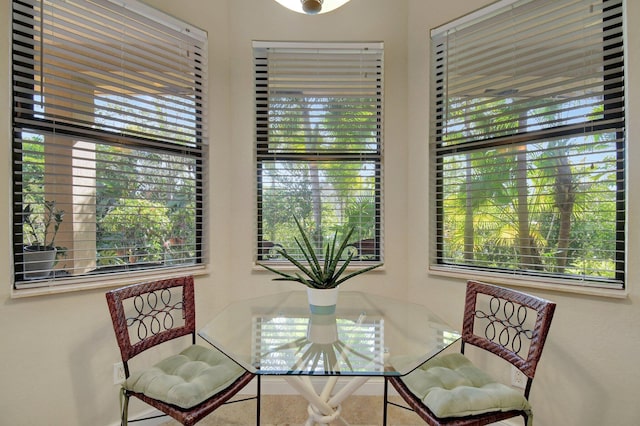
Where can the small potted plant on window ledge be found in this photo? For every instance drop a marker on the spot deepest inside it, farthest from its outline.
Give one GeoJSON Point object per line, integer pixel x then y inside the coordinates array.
{"type": "Point", "coordinates": [320, 274]}
{"type": "Point", "coordinates": [40, 252]}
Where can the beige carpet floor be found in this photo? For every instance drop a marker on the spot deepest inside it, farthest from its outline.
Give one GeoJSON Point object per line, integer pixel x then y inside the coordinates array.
{"type": "Point", "coordinates": [291, 410]}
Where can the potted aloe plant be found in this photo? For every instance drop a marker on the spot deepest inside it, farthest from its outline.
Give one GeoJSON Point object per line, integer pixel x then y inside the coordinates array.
{"type": "Point", "coordinates": [40, 231]}
{"type": "Point", "coordinates": [321, 273]}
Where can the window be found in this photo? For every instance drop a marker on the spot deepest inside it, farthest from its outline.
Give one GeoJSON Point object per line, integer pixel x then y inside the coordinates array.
{"type": "Point", "coordinates": [319, 144]}
{"type": "Point", "coordinates": [528, 142]}
{"type": "Point", "coordinates": [109, 140]}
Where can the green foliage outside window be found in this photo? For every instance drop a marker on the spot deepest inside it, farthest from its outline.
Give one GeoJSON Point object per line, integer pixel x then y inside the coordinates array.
{"type": "Point", "coordinates": [545, 206]}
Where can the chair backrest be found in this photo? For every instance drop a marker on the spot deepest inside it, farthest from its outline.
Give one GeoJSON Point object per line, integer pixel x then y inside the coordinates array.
{"type": "Point", "coordinates": [147, 314]}
{"type": "Point", "coordinates": [508, 323]}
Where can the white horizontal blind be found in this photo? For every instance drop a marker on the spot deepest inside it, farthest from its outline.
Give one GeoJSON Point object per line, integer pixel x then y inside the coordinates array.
{"type": "Point", "coordinates": [528, 141]}
{"type": "Point", "coordinates": [110, 127]}
{"type": "Point", "coordinates": [319, 131]}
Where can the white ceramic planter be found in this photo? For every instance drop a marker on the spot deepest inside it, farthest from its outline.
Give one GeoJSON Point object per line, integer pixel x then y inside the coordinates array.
{"type": "Point", "coordinates": [322, 301]}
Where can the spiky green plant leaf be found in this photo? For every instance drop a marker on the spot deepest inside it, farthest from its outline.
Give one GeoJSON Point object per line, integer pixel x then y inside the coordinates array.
{"type": "Point", "coordinates": [323, 276]}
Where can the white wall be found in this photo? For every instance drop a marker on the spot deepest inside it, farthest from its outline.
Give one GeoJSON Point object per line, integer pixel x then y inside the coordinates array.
{"type": "Point", "coordinates": [56, 351]}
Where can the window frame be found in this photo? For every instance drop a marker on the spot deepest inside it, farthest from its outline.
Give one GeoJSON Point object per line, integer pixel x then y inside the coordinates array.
{"type": "Point", "coordinates": [263, 152]}
{"type": "Point", "coordinates": [437, 152]}
{"type": "Point", "coordinates": [194, 152]}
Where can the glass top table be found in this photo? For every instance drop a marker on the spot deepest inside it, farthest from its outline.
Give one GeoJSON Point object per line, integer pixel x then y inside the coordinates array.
{"type": "Point", "coordinates": [367, 336]}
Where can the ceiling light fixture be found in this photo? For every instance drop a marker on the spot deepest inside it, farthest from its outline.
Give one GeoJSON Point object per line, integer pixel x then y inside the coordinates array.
{"type": "Point", "coordinates": [312, 7]}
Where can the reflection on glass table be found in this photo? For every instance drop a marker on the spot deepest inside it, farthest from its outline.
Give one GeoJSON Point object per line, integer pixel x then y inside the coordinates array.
{"type": "Point", "coordinates": [367, 336]}
{"type": "Point", "coordinates": [319, 344]}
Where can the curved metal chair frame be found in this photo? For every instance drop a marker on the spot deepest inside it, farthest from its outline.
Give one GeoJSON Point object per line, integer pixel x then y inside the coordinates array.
{"type": "Point", "coordinates": [162, 311]}
{"type": "Point", "coordinates": [504, 333]}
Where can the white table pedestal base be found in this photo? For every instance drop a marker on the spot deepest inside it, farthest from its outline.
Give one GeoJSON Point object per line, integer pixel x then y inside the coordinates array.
{"type": "Point", "coordinates": [324, 408]}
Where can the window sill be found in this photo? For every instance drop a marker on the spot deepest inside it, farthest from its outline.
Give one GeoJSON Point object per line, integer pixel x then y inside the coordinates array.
{"type": "Point", "coordinates": [530, 282]}
{"type": "Point", "coordinates": [93, 282]}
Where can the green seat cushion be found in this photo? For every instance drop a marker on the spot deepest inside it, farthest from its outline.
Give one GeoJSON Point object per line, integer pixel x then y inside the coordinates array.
{"type": "Point", "coordinates": [451, 386]}
{"type": "Point", "coordinates": [186, 379]}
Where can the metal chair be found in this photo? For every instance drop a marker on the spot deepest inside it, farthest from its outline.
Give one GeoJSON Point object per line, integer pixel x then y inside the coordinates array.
{"type": "Point", "coordinates": [449, 390]}
{"type": "Point", "coordinates": [187, 386]}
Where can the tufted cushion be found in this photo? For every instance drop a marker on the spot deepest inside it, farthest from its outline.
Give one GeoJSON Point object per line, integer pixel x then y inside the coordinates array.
{"type": "Point", "coordinates": [187, 379]}
{"type": "Point", "coordinates": [451, 386]}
